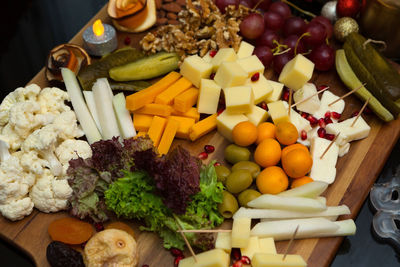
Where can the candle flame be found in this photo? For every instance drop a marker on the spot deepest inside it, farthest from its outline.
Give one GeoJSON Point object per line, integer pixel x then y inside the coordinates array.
{"type": "Point", "coordinates": [98, 28]}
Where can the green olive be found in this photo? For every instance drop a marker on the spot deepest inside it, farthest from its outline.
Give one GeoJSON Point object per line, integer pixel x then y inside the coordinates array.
{"type": "Point", "coordinates": [222, 173]}
{"type": "Point", "coordinates": [234, 154]}
{"type": "Point", "coordinates": [228, 206]}
{"type": "Point", "coordinates": [247, 195]}
{"type": "Point", "coordinates": [247, 165]}
{"type": "Point", "coordinates": [238, 181]}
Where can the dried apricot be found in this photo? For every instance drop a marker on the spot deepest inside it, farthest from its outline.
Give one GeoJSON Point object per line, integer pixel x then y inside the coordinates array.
{"type": "Point", "coordinates": [121, 226]}
{"type": "Point", "coordinates": [70, 231]}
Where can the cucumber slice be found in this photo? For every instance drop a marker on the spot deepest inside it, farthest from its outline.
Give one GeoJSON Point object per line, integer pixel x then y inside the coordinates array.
{"type": "Point", "coordinates": [350, 79]}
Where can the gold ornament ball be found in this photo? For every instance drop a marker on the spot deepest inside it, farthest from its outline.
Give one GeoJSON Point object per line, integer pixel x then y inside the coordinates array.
{"type": "Point", "coordinates": [343, 27]}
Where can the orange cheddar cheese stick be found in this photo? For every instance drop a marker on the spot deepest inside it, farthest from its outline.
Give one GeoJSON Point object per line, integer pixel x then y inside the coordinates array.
{"type": "Point", "coordinates": [186, 100]}
{"type": "Point", "coordinates": [147, 96]}
{"type": "Point", "coordinates": [185, 124]}
{"type": "Point", "coordinates": [191, 113]}
{"type": "Point", "coordinates": [203, 127]}
{"type": "Point", "coordinates": [155, 109]}
{"type": "Point", "coordinates": [167, 96]}
{"type": "Point", "coordinates": [168, 136]}
{"type": "Point", "coordinates": [156, 129]}
{"type": "Point", "coordinates": [142, 122]}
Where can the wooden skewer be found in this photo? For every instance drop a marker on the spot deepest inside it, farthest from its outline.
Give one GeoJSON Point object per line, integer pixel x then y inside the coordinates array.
{"type": "Point", "coordinates": [345, 95]}
{"type": "Point", "coordinates": [205, 231]}
{"type": "Point", "coordinates": [290, 100]}
{"type": "Point", "coordinates": [361, 111]}
{"type": "Point", "coordinates": [290, 243]}
{"type": "Point", "coordinates": [186, 241]}
{"type": "Point", "coordinates": [326, 150]}
{"type": "Point", "coordinates": [311, 96]}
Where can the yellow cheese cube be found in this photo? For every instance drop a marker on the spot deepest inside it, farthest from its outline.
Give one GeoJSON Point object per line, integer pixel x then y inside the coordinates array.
{"type": "Point", "coordinates": [167, 97]}
{"type": "Point", "coordinates": [168, 136]}
{"type": "Point", "coordinates": [267, 245]}
{"type": "Point", "coordinates": [252, 248]}
{"type": "Point", "coordinates": [276, 260]}
{"type": "Point", "coordinates": [191, 113]}
{"type": "Point", "coordinates": [210, 258]}
{"type": "Point", "coordinates": [186, 100]}
{"type": "Point", "coordinates": [241, 232]}
{"type": "Point", "coordinates": [245, 50]}
{"type": "Point", "coordinates": [251, 65]}
{"type": "Point", "coordinates": [257, 115]}
{"type": "Point", "coordinates": [223, 55]}
{"type": "Point", "coordinates": [185, 124]}
{"type": "Point", "coordinates": [230, 74]}
{"type": "Point", "coordinates": [203, 127]}
{"type": "Point", "coordinates": [276, 94]}
{"type": "Point", "coordinates": [194, 68]}
{"type": "Point", "coordinates": [224, 242]}
{"type": "Point", "coordinates": [261, 88]}
{"type": "Point", "coordinates": [296, 72]}
{"type": "Point", "coordinates": [208, 97]}
{"type": "Point", "coordinates": [226, 122]}
{"type": "Point", "coordinates": [155, 109]}
{"type": "Point", "coordinates": [156, 129]}
{"type": "Point", "coordinates": [278, 112]}
{"type": "Point", "coordinates": [207, 58]}
{"type": "Point", "coordinates": [239, 99]}
{"type": "Point", "coordinates": [142, 122]}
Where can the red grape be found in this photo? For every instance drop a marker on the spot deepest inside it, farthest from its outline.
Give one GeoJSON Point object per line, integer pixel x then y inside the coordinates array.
{"type": "Point", "coordinates": [323, 57]}
{"type": "Point", "coordinates": [294, 25]}
{"type": "Point", "coordinates": [264, 5]}
{"type": "Point", "coordinates": [252, 26]}
{"type": "Point", "coordinates": [246, 3]}
{"type": "Point", "coordinates": [264, 54]}
{"type": "Point", "coordinates": [326, 23]}
{"type": "Point", "coordinates": [280, 61]}
{"type": "Point", "coordinates": [291, 42]}
{"type": "Point", "coordinates": [267, 38]}
{"type": "Point", "coordinates": [280, 8]}
{"type": "Point", "coordinates": [222, 4]}
{"type": "Point", "coordinates": [273, 21]}
{"type": "Point", "coordinates": [317, 34]}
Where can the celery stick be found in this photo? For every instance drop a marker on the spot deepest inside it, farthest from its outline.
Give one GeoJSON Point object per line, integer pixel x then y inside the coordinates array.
{"type": "Point", "coordinates": [123, 117]}
{"type": "Point", "coordinates": [92, 107]}
{"type": "Point", "coordinates": [102, 97]}
{"type": "Point", "coordinates": [78, 103]}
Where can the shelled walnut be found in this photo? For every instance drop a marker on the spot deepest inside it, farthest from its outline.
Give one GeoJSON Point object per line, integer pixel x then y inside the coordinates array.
{"type": "Point", "coordinates": [198, 28]}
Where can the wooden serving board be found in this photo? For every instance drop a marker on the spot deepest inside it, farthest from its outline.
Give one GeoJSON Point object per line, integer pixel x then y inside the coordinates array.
{"type": "Point", "coordinates": [356, 172]}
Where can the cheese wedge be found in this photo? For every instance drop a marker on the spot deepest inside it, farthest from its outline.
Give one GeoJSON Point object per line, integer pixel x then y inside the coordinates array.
{"type": "Point", "coordinates": [239, 99]}
{"type": "Point", "coordinates": [323, 169]}
{"type": "Point", "coordinates": [276, 93]}
{"type": "Point", "coordinates": [241, 232]}
{"type": "Point", "coordinates": [224, 242]}
{"type": "Point", "coordinates": [245, 50]}
{"type": "Point", "coordinates": [347, 132]}
{"type": "Point", "coordinates": [278, 112]}
{"type": "Point", "coordinates": [194, 68]}
{"type": "Point", "coordinates": [210, 258]}
{"type": "Point", "coordinates": [230, 74]}
{"type": "Point", "coordinates": [223, 55]}
{"type": "Point", "coordinates": [311, 105]}
{"type": "Point", "coordinates": [226, 122]}
{"type": "Point", "coordinates": [296, 72]}
{"type": "Point", "coordinates": [257, 115]}
{"type": "Point", "coordinates": [261, 88]}
{"type": "Point", "coordinates": [276, 260]}
{"type": "Point", "coordinates": [208, 96]}
{"type": "Point", "coordinates": [251, 65]}
{"type": "Point", "coordinates": [327, 98]}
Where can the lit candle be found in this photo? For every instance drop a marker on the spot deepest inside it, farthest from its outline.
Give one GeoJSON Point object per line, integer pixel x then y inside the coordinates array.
{"type": "Point", "coordinates": [100, 39]}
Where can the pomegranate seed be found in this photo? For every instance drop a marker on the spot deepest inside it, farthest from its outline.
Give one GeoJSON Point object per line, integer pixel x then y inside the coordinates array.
{"type": "Point", "coordinates": [313, 121]}
{"type": "Point", "coordinates": [217, 164]}
{"type": "Point", "coordinates": [203, 155]}
{"type": "Point", "coordinates": [177, 260]}
{"type": "Point", "coordinates": [213, 53]}
{"type": "Point", "coordinates": [330, 137]}
{"type": "Point", "coordinates": [354, 114]}
{"type": "Point", "coordinates": [321, 87]}
{"type": "Point", "coordinates": [212, 75]}
{"type": "Point", "coordinates": [328, 114]}
{"type": "Point", "coordinates": [145, 265]}
{"type": "Point", "coordinates": [263, 105]}
{"type": "Point", "coordinates": [328, 120]}
{"type": "Point", "coordinates": [176, 252]}
{"type": "Point", "coordinates": [209, 149]}
{"type": "Point", "coordinates": [367, 110]}
{"type": "Point", "coordinates": [255, 77]}
{"type": "Point", "coordinates": [238, 263]}
{"type": "Point", "coordinates": [321, 132]}
{"type": "Point", "coordinates": [303, 135]}
{"type": "Point", "coordinates": [99, 226]}
{"type": "Point", "coordinates": [245, 260]}
{"type": "Point", "coordinates": [236, 254]}
{"type": "Point", "coordinates": [285, 95]}
{"type": "Point", "coordinates": [304, 115]}
{"type": "Point", "coordinates": [321, 123]}
{"type": "Point", "coordinates": [335, 115]}
{"type": "Point", "coordinates": [220, 111]}
{"type": "Point", "coordinates": [127, 40]}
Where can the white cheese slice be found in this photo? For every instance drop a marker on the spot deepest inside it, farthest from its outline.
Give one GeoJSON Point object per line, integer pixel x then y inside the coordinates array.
{"type": "Point", "coordinates": [327, 98]}
{"type": "Point", "coordinates": [343, 150]}
{"type": "Point", "coordinates": [323, 169]}
{"type": "Point", "coordinates": [241, 232]}
{"type": "Point", "coordinates": [347, 132]}
{"type": "Point", "coordinates": [311, 105]}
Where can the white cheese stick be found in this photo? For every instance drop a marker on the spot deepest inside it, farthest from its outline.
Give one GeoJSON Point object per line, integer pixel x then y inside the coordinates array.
{"type": "Point", "coordinates": [323, 169]}
{"type": "Point", "coordinates": [268, 201]}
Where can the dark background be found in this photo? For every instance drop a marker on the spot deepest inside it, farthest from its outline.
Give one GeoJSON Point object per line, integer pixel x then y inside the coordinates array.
{"type": "Point", "coordinates": [30, 28]}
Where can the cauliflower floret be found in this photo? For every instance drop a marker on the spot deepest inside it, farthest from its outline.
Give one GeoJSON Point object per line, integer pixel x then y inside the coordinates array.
{"type": "Point", "coordinates": [72, 149]}
{"type": "Point", "coordinates": [50, 194]}
{"type": "Point", "coordinates": [31, 162]}
{"type": "Point", "coordinates": [52, 100]}
{"type": "Point", "coordinates": [14, 139]}
{"type": "Point", "coordinates": [22, 117]}
{"type": "Point", "coordinates": [68, 126]}
{"type": "Point", "coordinates": [18, 209]}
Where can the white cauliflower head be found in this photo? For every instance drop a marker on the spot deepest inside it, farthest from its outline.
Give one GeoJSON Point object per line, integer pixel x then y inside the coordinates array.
{"type": "Point", "coordinates": [50, 194]}
{"type": "Point", "coordinates": [72, 149]}
{"type": "Point", "coordinates": [68, 126]}
{"type": "Point", "coordinates": [52, 99]}
{"type": "Point", "coordinates": [17, 209]}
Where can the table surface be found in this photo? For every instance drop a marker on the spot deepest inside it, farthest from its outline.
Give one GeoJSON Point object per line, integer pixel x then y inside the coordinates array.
{"type": "Point", "coordinates": [35, 26]}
